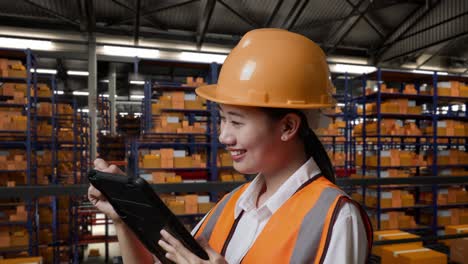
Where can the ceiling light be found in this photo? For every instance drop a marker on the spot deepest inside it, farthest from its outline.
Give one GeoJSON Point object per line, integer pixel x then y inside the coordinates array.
{"type": "Point", "coordinates": [18, 43]}
{"type": "Point", "coordinates": [423, 72]}
{"type": "Point", "coordinates": [58, 92]}
{"type": "Point", "coordinates": [45, 71]}
{"type": "Point", "coordinates": [130, 52]}
{"type": "Point", "coordinates": [354, 69]}
{"type": "Point", "coordinates": [80, 93]}
{"type": "Point", "coordinates": [137, 82]}
{"type": "Point", "coordinates": [202, 57]}
{"type": "Point", "coordinates": [442, 73]}
{"type": "Point", "coordinates": [104, 81]}
{"type": "Point", "coordinates": [135, 96]}
{"type": "Point", "coordinates": [83, 110]}
{"type": "Point", "coordinates": [78, 73]}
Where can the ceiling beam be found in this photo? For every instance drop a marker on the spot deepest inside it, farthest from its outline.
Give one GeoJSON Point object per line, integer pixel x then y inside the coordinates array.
{"type": "Point", "coordinates": [398, 33]}
{"type": "Point", "coordinates": [155, 24]}
{"type": "Point", "coordinates": [462, 34]}
{"type": "Point", "coordinates": [294, 14]}
{"type": "Point", "coordinates": [239, 15]}
{"type": "Point", "coordinates": [91, 15]}
{"type": "Point", "coordinates": [343, 25]}
{"type": "Point", "coordinates": [82, 12]}
{"type": "Point", "coordinates": [207, 9]}
{"type": "Point", "coordinates": [369, 21]}
{"type": "Point", "coordinates": [54, 14]}
{"type": "Point", "coordinates": [150, 12]}
{"type": "Point", "coordinates": [136, 32]}
{"type": "Point", "coordinates": [343, 36]}
{"type": "Point", "coordinates": [438, 50]}
{"type": "Point", "coordinates": [273, 14]}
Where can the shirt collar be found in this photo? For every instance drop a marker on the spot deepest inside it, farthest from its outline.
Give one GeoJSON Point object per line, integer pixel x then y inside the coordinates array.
{"type": "Point", "coordinates": [248, 199]}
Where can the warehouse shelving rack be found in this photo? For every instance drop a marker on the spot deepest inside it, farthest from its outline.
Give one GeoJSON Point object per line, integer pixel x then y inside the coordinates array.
{"type": "Point", "coordinates": [342, 141]}
{"type": "Point", "coordinates": [21, 140]}
{"type": "Point", "coordinates": [426, 142]}
{"type": "Point", "coordinates": [152, 89]}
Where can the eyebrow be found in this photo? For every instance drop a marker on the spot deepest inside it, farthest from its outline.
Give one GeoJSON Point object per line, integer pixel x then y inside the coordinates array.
{"type": "Point", "coordinates": [235, 114]}
{"type": "Point", "coordinates": [231, 113]}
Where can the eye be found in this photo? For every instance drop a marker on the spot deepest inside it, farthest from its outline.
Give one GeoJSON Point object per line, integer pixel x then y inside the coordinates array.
{"type": "Point", "coordinates": [234, 123]}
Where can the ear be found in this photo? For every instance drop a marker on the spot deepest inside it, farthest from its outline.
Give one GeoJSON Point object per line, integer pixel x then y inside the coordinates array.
{"type": "Point", "coordinates": [290, 124]}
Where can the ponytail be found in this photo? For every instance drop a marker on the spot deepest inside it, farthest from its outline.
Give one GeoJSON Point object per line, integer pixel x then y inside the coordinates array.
{"type": "Point", "coordinates": [313, 147]}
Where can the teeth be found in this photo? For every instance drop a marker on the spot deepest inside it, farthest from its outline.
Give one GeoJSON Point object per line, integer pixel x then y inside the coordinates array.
{"type": "Point", "coordinates": [237, 152]}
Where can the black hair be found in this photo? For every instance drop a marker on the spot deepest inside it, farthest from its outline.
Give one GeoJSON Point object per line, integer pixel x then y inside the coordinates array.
{"type": "Point", "coordinates": [312, 145]}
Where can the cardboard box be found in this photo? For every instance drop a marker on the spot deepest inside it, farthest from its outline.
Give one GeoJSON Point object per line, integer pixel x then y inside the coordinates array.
{"type": "Point", "coordinates": [459, 251]}
{"type": "Point", "coordinates": [455, 230]}
{"type": "Point", "coordinates": [424, 255]}
{"type": "Point", "coordinates": [26, 260]}
{"type": "Point", "coordinates": [204, 208]}
{"type": "Point", "coordinates": [177, 207]}
{"type": "Point", "coordinates": [191, 204]}
{"type": "Point", "coordinates": [392, 235]}
{"type": "Point", "coordinates": [5, 240]}
{"type": "Point", "coordinates": [387, 256]}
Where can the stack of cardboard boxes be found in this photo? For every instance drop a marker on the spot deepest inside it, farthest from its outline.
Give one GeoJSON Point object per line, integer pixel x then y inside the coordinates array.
{"type": "Point", "coordinates": [451, 88]}
{"type": "Point", "coordinates": [12, 120]}
{"type": "Point", "coordinates": [224, 159]}
{"type": "Point", "coordinates": [12, 68]}
{"type": "Point", "coordinates": [13, 162]}
{"type": "Point", "coordinates": [448, 128]}
{"type": "Point", "coordinates": [449, 157]}
{"type": "Point", "coordinates": [231, 177]}
{"type": "Point", "coordinates": [390, 127]}
{"type": "Point", "coordinates": [21, 215]}
{"type": "Point", "coordinates": [394, 106]}
{"type": "Point", "coordinates": [178, 100]}
{"type": "Point", "coordinates": [392, 157]}
{"type": "Point", "coordinates": [194, 81]}
{"type": "Point", "coordinates": [388, 199]}
{"type": "Point", "coordinates": [394, 220]}
{"type": "Point", "coordinates": [170, 158]}
{"type": "Point", "coordinates": [188, 204]}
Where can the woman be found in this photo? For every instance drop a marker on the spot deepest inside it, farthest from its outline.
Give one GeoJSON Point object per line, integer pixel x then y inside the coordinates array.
{"type": "Point", "coordinates": [269, 91]}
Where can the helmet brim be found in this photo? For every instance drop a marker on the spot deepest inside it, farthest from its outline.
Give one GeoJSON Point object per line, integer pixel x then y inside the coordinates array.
{"type": "Point", "coordinates": [209, 93]}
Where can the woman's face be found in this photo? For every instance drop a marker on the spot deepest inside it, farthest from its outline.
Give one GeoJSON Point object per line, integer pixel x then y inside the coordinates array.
{"type": "Point", "coordinates": [250, 137]}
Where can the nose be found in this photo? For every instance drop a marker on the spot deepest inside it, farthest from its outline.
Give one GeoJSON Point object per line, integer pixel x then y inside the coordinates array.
{"type": "Point", "coordinates": [226, 137]}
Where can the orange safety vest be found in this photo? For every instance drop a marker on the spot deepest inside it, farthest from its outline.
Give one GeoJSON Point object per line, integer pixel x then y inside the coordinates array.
{"type": "Point", "coordinates": [298, 232]}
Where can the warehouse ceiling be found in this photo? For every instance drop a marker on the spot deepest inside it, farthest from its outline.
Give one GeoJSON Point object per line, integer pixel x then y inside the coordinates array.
{"type": "Point", "coordinates": [421, 34]}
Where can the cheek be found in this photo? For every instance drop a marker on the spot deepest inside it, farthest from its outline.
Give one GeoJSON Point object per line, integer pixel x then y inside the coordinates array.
{"type": "Point", "coordinates": [258, 142]}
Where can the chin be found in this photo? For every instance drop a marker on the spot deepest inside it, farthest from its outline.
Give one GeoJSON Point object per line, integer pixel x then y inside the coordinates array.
{"type": "Point", "coordinates": [244, 169]}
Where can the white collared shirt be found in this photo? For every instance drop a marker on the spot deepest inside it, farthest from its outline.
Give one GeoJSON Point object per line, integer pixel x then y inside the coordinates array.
{"type": "Point", "coordinates": [348, 243]}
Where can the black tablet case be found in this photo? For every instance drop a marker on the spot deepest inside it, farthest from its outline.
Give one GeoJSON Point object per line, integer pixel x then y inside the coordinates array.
{"type": "Point", "coordinates": [143, 211]}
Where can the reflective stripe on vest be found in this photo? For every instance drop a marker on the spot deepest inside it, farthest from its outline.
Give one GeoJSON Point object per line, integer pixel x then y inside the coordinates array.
{"type": "Point", "coordinates": [296, 233]}
{"type": "Point", "coordinates": [310, 232]}
{"type": "Point", "coordinates": [207, 229]}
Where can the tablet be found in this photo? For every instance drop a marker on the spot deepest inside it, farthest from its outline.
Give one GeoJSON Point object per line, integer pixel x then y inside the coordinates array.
{"type": "Point", "coordinates": [144, 212]}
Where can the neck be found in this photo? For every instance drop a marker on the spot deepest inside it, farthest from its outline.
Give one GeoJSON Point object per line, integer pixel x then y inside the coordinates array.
{"type": "Point", "coordinates": [275, 178]}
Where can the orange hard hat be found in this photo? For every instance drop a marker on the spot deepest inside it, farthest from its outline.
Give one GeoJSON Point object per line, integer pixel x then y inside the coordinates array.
{"type": "Point", "coordinates": [273, 68]}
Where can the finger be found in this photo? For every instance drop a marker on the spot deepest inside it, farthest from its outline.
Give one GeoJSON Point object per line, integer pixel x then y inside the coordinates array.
{"type": "Point", "coordinates": [171, 254]}
{"type": "Point", "coordinates": [179, 247]}
{"type": "Point", "coordinates": [168, 248]}
{"type": "Point", "coordinates": [113, 169]}
{"type": "Point", "coordinates": [175, 258]}
{"type": "Point", "coordinates": [212, 254]}
{"type": "Point", "coordinates": [92, 191]}
{"type": "Point", "coordinates": [100, 164]}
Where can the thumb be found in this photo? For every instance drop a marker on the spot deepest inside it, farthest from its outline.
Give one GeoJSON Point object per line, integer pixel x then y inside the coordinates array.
{"type": "Point", "coordinates": [212, 254]}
